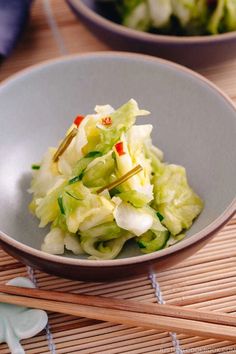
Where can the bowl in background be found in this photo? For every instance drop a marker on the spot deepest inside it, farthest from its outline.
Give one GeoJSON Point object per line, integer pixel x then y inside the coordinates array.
{"type": "Point", "coordinates": [194, 124]}
{"type": "Point", "coordinates": [193, 51]}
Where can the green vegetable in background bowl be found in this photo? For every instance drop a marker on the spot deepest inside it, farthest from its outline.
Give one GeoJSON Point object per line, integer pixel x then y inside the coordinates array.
{"type": "Point", "coordinates": [107, 183]}
{"type": "Point", "coordinates": [178, 17]}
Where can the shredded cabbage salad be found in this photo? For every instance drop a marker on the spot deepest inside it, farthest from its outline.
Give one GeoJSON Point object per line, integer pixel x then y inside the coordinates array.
{"type": "Point", "coordinates": [107, 183]}
{"type": "Point", "coordinates": [177, 17]}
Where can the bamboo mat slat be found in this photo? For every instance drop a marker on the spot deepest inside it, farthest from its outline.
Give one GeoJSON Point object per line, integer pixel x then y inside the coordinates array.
{"type": "Point", "coordinates": [54, 31]}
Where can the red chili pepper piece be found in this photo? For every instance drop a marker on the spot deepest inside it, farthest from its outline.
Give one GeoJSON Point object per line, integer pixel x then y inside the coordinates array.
{"type": "Point", "coordinates": [120, 148]}
{"type": "Point", "coordinates": [107, 121]}
{"type": "Point", "coordinates": [78, 120]}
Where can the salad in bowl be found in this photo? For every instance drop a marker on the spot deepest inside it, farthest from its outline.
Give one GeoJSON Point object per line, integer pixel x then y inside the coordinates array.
{"type": "Point", "coordinates": [106, 183]}
{"type": "Point", "coordinates": [177, 17]}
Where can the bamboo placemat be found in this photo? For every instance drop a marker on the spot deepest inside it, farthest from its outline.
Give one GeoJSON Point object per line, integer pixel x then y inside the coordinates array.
{"type": "Point", "coordinates": [53, 31]}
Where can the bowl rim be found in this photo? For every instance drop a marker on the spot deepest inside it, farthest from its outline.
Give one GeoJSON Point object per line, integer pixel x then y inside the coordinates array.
{"type": "Point", "coordinates": [107, 24]}
{"type": "Point", "coordinates": [205, 232]}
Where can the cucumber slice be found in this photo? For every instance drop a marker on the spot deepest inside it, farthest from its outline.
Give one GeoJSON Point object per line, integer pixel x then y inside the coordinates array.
{"type": "Point", "coordinates": [152, 242]}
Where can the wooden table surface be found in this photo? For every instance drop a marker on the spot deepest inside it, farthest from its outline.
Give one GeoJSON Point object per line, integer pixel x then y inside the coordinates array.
{"type": "Point", "coordinates": [54, 31]}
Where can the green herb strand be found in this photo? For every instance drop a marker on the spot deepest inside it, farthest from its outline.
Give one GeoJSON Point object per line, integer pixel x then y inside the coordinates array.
{"type": "Point", "coordinates": [61, 206]}
{"type": "Point", "coordinates": [160, 217]}
{"type": "Point", "coordinates": [76, 179]}
{"type": "Point", "coordinates": [94, 154]}
{"type": "Point", "coordinates": [35, 167]}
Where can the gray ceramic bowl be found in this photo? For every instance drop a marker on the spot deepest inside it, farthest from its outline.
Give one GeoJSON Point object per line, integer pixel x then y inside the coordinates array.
{"type": "Point", "coordinates": [192, 51]}
{"type": "Point", "coordinates": [194, 124]}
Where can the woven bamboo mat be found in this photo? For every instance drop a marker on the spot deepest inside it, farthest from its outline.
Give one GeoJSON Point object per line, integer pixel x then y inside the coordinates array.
{"type": "Point", "coordinates": [53, 31]}
{"type": "Point", "coordinates": [211, 269]}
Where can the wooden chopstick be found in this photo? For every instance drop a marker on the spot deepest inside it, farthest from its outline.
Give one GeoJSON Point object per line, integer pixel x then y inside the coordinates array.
{"type": "Point", "coordinates": [132, 313]}
{"type": "Point", "coordinates": [126, 305]}
{"type": "Point", "coordinates": [149, 321]}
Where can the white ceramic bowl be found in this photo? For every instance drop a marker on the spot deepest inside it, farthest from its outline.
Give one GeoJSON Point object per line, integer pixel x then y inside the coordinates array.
{"type": "Point", "coordinates": [194, 124]}
{"type": "Point", "coordinates": [192, 51]}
